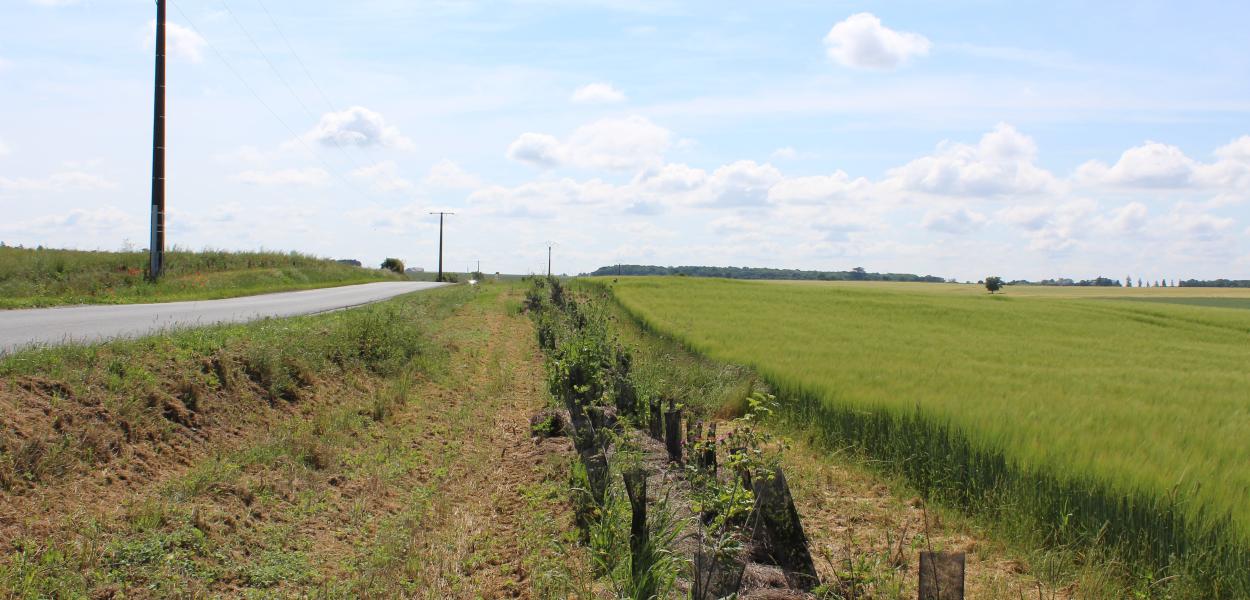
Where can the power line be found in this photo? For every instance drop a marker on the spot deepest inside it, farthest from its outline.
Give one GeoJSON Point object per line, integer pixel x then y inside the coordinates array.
{"type": "Point", "coordinates": [269, 108]}
{"type": "Point", "coordinates": [281, 78]}
{"type": "Point", "coordinates": [295, 54]}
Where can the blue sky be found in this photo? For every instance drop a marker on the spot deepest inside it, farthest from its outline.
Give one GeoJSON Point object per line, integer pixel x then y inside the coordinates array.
{"type": "Point", "coordinates": [961, 139]}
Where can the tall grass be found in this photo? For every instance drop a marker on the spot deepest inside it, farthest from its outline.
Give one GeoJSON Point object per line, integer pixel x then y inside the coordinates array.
{"type": "Point", "coordinates": [45, 277]}
{"type": "Point", "coordinates": [1096, 421]}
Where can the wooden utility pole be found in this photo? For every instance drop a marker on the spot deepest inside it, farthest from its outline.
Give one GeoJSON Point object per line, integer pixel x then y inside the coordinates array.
{"type": "Point", "coordinates": [548, 260]}
{"type": "Point", "coordinates": [156, 250]}
{"type": "Point", "coordinates": [440, 241]}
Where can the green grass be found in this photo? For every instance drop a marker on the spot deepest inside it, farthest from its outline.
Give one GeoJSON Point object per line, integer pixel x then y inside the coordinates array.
{"type": "Point", "coordinates": [163, 547]}
{"type": "Point", "coordinates": [32, 277]}
{"type": "Point", "coordinates": [1242, 303]}
{"type": "Point", "coordinates": [1100, 419]}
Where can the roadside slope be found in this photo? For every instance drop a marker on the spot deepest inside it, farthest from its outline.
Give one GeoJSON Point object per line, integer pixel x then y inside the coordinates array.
{"type": "Point", "coordinates": [409, 474]}
{"type": "Point", "coordinates": [37, 277]}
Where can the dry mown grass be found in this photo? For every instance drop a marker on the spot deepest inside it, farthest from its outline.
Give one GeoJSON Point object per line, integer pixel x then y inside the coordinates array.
{"type": "Point", "coordinates": [418, 479]}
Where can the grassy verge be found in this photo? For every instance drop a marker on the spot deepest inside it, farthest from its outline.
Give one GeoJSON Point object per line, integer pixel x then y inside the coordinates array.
{"type": "Point", "coordinates": [343, 455]}
{"type": "Point", "coordinates": [48, 277]}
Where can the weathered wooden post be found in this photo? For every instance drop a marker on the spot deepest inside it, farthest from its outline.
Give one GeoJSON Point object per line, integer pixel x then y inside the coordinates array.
{"type": "Point", "coordinates": [942, 575]}
{"type": "Point", "coordinates": [672, 431]}
{"type": "Point", "coordinates": [655, 423]}
{"type": "Point", "coordinates": [626, 393]}
{"type": "Point", "coordinates": [707, 459]}
{"type": "Point", "coordinates": [779, 536]}
{"type": "Point", "coordinates": [636, 489]}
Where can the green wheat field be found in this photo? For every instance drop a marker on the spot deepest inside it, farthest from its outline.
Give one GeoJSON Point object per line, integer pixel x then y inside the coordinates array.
{"type": "Point", "coordinates": [1118, 415]}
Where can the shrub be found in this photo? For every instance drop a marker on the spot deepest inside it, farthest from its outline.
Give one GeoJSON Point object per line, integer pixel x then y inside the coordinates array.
{"type": "Point", "coordinates": [393, 264]}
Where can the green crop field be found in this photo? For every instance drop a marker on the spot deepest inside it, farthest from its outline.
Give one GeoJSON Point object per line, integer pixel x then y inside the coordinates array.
{"type": "Point", "coordinates": [1095, 413]}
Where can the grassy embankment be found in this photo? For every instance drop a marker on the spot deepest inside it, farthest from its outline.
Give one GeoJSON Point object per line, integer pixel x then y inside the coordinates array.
{"type": "Point", "coordinates": [47, 277]}
{"type": "Point", "coordinates": [374, 452]}
{"type": "Point", "coordinates": [1064, 419]}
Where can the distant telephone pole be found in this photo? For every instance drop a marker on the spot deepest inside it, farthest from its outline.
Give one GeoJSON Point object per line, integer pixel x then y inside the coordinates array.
{"type": "Point", "coordinates": [548, 260]}
{"type": "Point", "coordinates": [440, 241]}
{"type": "Point", "coordinates": [156, 250]}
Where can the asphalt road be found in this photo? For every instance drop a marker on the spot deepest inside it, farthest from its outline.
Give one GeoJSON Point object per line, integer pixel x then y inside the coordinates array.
{"type": "Point", "coordinates": [84, 324]}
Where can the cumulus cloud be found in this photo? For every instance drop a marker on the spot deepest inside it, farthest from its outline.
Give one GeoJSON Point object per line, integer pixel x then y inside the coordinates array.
{"type": "Point", "coordinates": [78, 220]}
{"type": "Point", "coordinates": [180, 42]}
{"type": "Point", "coordinates": [312, 176]}
{"type": "Point", "coordinates": [619, 144]}
{"type": "Point", "coordinates": [1129, 218]}
{"type": "Point", "coordinates": [447, 174]}
{"type": "Point", "coordinates": [742, 183]}
{"type": "Point", "coordinates": [57, 182]}
{"type": "Point", "coordinates": [1231, 170]}
{"type": "Point", "coordinates": [383, 177]}
{"type": "Point", "coordinates": [597, 93]}
{"type": "Point", "coordinates": [1152, 164]}
{"type": "Point", "coordinates": [672, 178]}
{"type": "Point", "coordinates": [957, 220]}
{"type": "Point", "coordinates": [819, 189]}
{"type": "Point", "coordinates": [538, 149]}
{"type": "Point", "coordinates": [360, 127]}
{"type": "Point", "coordinates": [1001, 164]}
{"type": "Point", "coordinates": [1198, 226]}
{"type": "Point", "coordinates": [862, 42]}
{"type": "Point", "coordinates": [1052, 228]}
{"type": "Point", "coordinates": [541, 199]}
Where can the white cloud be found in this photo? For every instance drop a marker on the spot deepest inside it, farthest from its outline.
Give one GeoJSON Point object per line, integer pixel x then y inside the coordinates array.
{"type": "Point", "coordinates": [597, 93]}
{"type": "Point", "coordinates": [1232, 169]}
{"type": "Point", "coordinates": [742, 183]}
{"type": "Point", "coordinates": [57, 182]}
{"type": "Point", "coordinates": [383, 177]}
{"type": "Point", "coordinates": [1129, 218]}
{"type": "Point", "coordinates": [4, 149]}
{"type": "Point", "coordinates": [818, 189]}
{"type": "Point", "coordinates": [542, 199]}
{"type": "Point", "coordinates": [538, 149]}
{"type": "Point", "coordinates": [956, 220]}
{"type": "Point", "coordinates": [312, 176]}
{"type": "Point", "coordinates": [672, 178]}
{"type": "Point", "coordinates": [447, 174]}
{"type": "Point", "coordinates": [862, 42]}
{"type": "Point", "coordinates": [5, 63]}
{"type": "Point", "coordinates": [180, 41]}
{"type": "Point", "coordinates": [1052, 228]}
{"type": "Point", "coordinates": [786, 153]}
{"type": "Point", "coordinates": [361, 127]}
{"type": "Point", "coordinates": [1152, 165]}
{"type": "Point", "coordinates": [1201, 227]}
{"type": "Point", "coordinates": [619, 144]}
{"type": "Point", "coordinates": [78, 220]}
{"type": "Point", "coordinates": [1001, 164]}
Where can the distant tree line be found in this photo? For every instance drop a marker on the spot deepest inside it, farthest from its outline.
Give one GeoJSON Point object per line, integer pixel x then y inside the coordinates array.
{"type": "Point", "coordinates": [1221, 283]}
{"type": "Point", "coordinates": [856, 274]}
{"type": "Point", "coordinates": [1064, 281]}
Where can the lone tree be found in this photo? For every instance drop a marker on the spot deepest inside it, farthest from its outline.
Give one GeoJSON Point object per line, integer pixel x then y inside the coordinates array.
{"type": "Point", "coordinates": [393, 264]}
{"type": "Point", "coordinates": [993, 283]}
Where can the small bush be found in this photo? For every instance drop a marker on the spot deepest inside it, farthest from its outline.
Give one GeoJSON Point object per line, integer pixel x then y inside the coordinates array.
{"type": "Point", "coordinates": [393, 264]}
